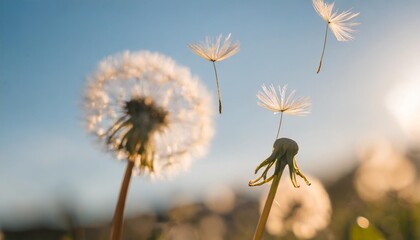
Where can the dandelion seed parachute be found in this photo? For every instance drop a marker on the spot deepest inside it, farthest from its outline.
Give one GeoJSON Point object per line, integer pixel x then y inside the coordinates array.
{"type": "Point", "coordinates": [215, 51]}
{"type": "Point", "coordinates": [286, 103]}
{"type": "Point", "coordinates": [283, 103]}
{"type": "Point", "coordinates": [341, 24]}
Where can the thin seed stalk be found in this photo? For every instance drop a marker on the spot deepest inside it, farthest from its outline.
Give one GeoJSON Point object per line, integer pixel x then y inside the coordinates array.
{"type": "Point", "coordinates": [117, 223]}
{"type": "Point", "coordinates": [278, 130]}
{"type": "Point", "coordinates": [267, 206]}
{"type": "Point", "coordinates": [218, 89]}
{"type": "Point", "coordinates": [323, 49]}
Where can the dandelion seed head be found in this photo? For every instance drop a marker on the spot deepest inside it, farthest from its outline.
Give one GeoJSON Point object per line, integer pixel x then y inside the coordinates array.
{"type": "Point", "coordinates": [214, 50]}
{"type": "Point", "coordinates": [147, 109]}
{"type": "Point", "coordinates": [341, 24]}
{"type": "Point", "coordinates": [283, 102]}
{"type": "Point", "coordinates": [303, 211]}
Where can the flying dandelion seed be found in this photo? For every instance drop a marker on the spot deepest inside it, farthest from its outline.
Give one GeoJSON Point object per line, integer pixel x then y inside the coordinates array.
{"type": "Point", "coordinates": [341, 24]}
{"type": "Point", "coordinates": [303, 211]}
{"type": "Point", "coordinates": [215, 51]}
{"type": "Point", "coordinates": [149, 111]}
{"type": "Point", "coordinates": [287, 104]}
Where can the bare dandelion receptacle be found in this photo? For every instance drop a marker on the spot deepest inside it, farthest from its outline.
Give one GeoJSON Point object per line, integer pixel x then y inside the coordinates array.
{"type": "Point", "coordinates": [284, 152]}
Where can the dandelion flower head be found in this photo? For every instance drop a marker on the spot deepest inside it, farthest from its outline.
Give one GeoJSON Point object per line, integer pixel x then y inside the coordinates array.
{"type": "Point", "coordinates": [270, 100]}
{"type": "Point", "coordinates": [341, 24]}
{"type": "Point", "coordinates": [215, 50]}
{"type": "Point", "coordinates": [303, 211]}
{"type": "Point", "coordinates": [147, 109]}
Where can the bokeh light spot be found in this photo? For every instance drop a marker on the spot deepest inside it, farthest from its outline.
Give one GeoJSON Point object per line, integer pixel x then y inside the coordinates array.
{"type": "Point", "coordinates": [362, 222]}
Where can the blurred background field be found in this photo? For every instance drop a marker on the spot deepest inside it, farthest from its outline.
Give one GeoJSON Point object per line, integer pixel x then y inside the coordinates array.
{"type": "Point", "coordinates": [361, 140]}
{"type": "Point", "coordinates": [229, 213]}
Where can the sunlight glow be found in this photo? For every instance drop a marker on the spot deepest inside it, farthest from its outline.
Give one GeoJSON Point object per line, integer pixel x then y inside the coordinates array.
{"type": "Point", "coordinates": [404, 104]}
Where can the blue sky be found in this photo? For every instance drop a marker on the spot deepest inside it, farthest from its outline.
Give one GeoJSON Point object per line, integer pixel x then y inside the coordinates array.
{"type": "Point", "coordinates": [47, 48]}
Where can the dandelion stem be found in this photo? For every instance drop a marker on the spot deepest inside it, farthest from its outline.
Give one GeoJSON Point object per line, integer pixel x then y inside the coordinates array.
{"type": "Point", "coordinates": [269, 202]}
{"type": "Point", "coordinates": [278, 130]}
{"type": "Point", "coordinates": [117, 223]}
{"type": "Point", "coordinates": [218, 89]}
{"type": "Point", "coordinates": [323, 49]}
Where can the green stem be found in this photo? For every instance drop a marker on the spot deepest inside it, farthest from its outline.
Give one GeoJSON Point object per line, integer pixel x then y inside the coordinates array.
{"type": "Point", "coordinates": [218, 89]}
{"type": "Point", "coordinates": [117, 223]}
{"type": "Point", "coordinates": [323, 49]}
{"type": "Point", "coordinates": [268, 203]}
{"type": "Point", "coordinates": [278, 130]}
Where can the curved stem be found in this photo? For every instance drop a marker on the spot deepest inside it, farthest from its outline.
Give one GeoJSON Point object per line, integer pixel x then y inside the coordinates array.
{"type": "Point", "coordinates": [278, 130]}
{"type": "Point", "coordinates": [218, 89]}
{"type": "Point", "coordinates": [323, 49]}
{"type": "Point", "coordinates": [268, 203]}
{"type": "Point", "coordinates": [117, 223]}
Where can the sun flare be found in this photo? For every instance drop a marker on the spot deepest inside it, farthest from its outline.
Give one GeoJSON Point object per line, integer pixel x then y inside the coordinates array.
{"type": "Point", "coordinates": [404, 104]}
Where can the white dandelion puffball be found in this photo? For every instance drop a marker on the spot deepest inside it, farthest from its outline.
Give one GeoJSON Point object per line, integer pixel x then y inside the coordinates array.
{"type": "Point", "coordinates": [303, 211]}
{"type": "Point", "coordinates": [148, 110]}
